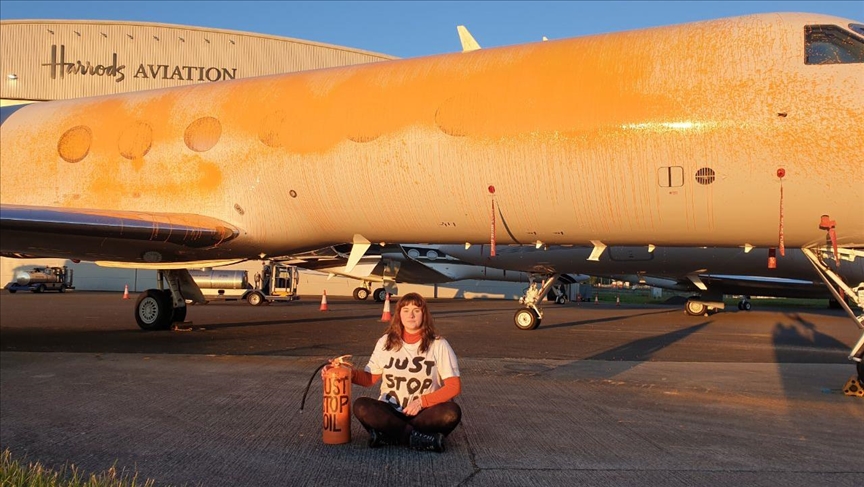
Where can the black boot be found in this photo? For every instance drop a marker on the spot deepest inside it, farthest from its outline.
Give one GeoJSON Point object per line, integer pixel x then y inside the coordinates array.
{"type": "Point", "coordinates": [377, 439]}
{"type": "Point", "coordinates": [426, 441]}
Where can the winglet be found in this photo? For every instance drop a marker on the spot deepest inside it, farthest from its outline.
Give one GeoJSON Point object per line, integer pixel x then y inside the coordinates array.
{"type": "Point", "coordinates": [467, 40]}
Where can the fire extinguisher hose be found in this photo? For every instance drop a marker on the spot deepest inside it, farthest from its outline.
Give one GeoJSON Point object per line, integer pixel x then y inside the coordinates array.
{"type": "Point", "coordinates": [303, 402]}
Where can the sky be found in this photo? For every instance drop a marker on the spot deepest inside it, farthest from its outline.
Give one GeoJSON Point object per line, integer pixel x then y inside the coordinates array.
{"type": "Point", "coordinates": [417, 28]}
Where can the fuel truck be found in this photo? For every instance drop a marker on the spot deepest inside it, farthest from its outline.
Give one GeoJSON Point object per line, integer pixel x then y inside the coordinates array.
{"type": "Point", "coordinates": [275, 282]}
{"type": "Point", "coordinates": [41, 279]}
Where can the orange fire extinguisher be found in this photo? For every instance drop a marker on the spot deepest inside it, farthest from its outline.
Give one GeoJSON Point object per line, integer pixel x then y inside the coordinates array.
{"type": "Point", "coordinates": [336, 426]}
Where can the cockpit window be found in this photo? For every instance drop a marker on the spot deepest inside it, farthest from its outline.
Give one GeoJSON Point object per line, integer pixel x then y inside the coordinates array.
{"type": "Point", "coordinates": [829, 44]}
{"type": "Point", "coordinates": [857, 28]}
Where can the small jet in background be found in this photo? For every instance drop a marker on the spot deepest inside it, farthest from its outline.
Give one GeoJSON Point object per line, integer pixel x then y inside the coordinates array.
{"type": "Point", "coordinates": [710, 272]}
{"type": "Point", "coordinates": [390, 265]}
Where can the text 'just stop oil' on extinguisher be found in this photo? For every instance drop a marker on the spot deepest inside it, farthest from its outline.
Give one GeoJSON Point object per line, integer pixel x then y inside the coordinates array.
{"type": "Point", "coordinates": [336, 426]}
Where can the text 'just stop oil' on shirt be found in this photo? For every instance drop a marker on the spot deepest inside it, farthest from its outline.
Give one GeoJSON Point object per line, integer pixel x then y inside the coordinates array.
{"type": "Point", "coordinates": [406, 373]}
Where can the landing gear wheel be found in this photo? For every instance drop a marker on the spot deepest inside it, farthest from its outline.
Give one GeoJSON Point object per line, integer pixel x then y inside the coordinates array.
{"type": "Point", "coordinates": [255, 299]}
{"type": "Point", "coordinates": [380, 295]}
{"type": "Point", "coordinates": [526, 319]}
{"type": "Point", "coordinates": [13, 291]}
{"type": "Point", "coordinates": [746, 306]}
{"type": "Point", "coordinates": [695, 308]}
{"type": "Point", "coordinates": [153, 310]}
{"type": "Point", "coordinates": [561, 299]}
{"type": "Point", "coordinates": [179, 315]}
{"type": "Point", "coordinates": [361, 293]}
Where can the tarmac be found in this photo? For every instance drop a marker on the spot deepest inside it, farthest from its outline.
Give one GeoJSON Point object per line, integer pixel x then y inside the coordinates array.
{"type": "Point", "coordinates": [630, 395]}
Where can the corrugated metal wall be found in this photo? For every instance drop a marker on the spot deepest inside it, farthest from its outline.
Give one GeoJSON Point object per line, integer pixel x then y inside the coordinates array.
{"type": "Point", "coordinates": [53, 60]}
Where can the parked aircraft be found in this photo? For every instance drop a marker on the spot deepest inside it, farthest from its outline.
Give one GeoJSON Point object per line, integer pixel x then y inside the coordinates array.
{"type": "Point", "coordinates": [390, 265]}
{"type": "Point", "coordinates": [708, 272]}
{"type": "Point", "coordinates": [735, 132]}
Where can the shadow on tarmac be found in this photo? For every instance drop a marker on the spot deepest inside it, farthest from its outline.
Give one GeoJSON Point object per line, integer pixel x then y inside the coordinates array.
{"type": "Point", "coordinates": [622, 358]}
{"type": "Point", "coordinates": [605, 319]}
{"type": "Point", "coordinates": [299, 321]}
{"type": "Point", "coordinates": [790, 340]}
{"type": "Point", "coordinates": [643, 349]}
{"type": "Point", "coordinates": [801, 333]}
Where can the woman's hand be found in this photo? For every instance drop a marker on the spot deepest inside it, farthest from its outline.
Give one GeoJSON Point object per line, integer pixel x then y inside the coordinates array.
{"type": "Point", "coordinates": [413, 407]}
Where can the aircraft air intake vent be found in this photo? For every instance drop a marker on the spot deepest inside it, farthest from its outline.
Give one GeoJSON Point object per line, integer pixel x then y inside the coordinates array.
{"type": "Point", "coordinates": [705, 175]}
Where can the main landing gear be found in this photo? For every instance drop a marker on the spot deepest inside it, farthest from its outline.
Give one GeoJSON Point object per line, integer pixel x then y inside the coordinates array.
{"type": "Point", "coordinates": [529, 317]}
{"type": "Point", "coordinates": [158, 309]}
{"type": "Point", "coordinates": [380, 295]}
{"type": "Point", "coordinates": [836, 285]}
{"type": "Point", "coordinates": [363, 292]}
{"type": "Point", "coordinates": [703, 306]}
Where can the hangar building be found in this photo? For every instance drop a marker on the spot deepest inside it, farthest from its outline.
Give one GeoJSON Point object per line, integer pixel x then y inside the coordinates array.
{"type": "Point", "coordinates": [53, 59]}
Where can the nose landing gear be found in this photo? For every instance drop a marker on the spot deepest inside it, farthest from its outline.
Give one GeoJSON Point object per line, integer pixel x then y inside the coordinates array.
{"type": "Point", "coordinates": [529, 317]}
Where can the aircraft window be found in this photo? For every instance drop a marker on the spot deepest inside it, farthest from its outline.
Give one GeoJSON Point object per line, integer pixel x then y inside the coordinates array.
{"type": "Point", "coordinates": [829, 44]}
{"type": "Point", "coordinates": [857, 28]}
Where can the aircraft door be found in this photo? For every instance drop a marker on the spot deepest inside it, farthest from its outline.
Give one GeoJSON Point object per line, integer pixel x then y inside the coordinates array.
{"type": "Point", "coordinates": [671, 193]}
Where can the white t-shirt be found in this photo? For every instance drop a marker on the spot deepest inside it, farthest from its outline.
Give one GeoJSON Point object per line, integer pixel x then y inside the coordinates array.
{"type": "Point", "coordinates": [406, 374]}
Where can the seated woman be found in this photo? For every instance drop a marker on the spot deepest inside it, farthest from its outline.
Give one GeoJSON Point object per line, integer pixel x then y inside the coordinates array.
{"type": "Point", "coordinates": [420, 379]}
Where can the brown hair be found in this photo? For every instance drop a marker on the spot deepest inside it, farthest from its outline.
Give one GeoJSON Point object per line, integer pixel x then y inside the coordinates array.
{"type": "Point", "coordinates": [427, 327]}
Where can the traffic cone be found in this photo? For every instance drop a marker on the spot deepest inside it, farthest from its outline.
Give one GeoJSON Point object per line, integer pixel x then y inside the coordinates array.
{"type": "Point", "coordinates": [596, 300]}
{"type": "Point", "coordinates": [386, 316]}
{"type": "Point", "coordinates": [126, 292]}
{"type": "Point", "coordinates": [323, 301]}
{"type": "Point", "coordinates": [617, 300]}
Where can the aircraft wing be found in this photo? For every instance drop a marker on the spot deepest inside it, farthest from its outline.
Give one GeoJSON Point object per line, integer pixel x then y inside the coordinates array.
{"type": "Point", "coordinates": [766, 286]}
{"type": "Point", "coordinates": [111, 235]}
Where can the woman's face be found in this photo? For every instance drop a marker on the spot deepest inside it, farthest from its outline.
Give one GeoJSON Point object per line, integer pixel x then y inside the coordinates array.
{"type": "Point", "coordinates": [412, 318]}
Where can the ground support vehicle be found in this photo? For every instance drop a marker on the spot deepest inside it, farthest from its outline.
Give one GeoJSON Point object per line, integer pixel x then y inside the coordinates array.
{"type": "Point", "coordinates": [41, 279]}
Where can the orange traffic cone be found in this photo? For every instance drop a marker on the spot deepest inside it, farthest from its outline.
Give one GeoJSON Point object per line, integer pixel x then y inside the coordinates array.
{"type": "Point", "coordinates": [386, 316]}
{"type": "Point", "coordinates": [323, 301]}
{"type": "Point", "coordinates": [617, 300]}
{"type": "Point", "coordinates": [126, 292]}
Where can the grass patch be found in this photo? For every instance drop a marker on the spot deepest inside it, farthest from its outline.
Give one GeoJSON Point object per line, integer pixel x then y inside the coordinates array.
{"type": "Point", "coordinates": [14, 473]}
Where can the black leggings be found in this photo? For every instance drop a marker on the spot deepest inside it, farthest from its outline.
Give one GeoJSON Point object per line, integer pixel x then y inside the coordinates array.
{"type": "Point", "coordinates": [380, 416]}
